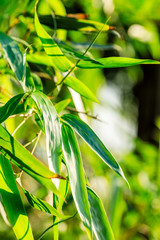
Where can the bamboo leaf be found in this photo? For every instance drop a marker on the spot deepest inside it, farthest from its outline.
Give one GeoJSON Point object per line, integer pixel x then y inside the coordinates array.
{"type": "Point", "coordinates": [22, 156]}
{"type": "Point", "coordinates": [43, 206]}
{"type": "Point", "coordinates": [69, 23]}
{"type": "Point", "coordinates": [13, 54]}
{"type": "Point", "coordinates": [54, 53]}
{"type": "Point", "coordinates": [52, 130]}
{"type": "Point", "coordinates": [76, 176]}
{"type": "Point", "coordinates": [12, 201]}
{"type": "Point", "coordinates": [93, 141]}
{"type": "Point", "coordinates": [115, 62]}
{"type": "Point", "coordinates": [10, 107]}
{"type": "Point", "coordinates": [39, 59]}
{"type": "Point", "coordinates": [80, 87]}
{"type": "Point", "coordinates": [101, 225]}
{"type": "Point", "coordinates": [62, 105]}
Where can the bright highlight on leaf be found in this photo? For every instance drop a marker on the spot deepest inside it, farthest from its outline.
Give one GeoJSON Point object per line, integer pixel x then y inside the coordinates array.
{"type": "Point", "coordinates": [12, 202]}
{"type": "Point", "coordinates": [76, 176]}
{"type": "Point", "coordinates": [80, 87]}
{"type": "Point", "coordinates": [52, 130]}
{"type": "Point", "coordinates": [93, 141]}
{"type": "Point", "coordinates": [54, 53]}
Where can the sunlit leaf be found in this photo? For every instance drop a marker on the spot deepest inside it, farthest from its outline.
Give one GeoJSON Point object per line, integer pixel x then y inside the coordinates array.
{"type": "Point", "coordinates": [93, 141]}
{"type": "Point", "coordinates": [10, 107]}
{"type": "Point", "coordinates": [115, 62]}
{"type": "Point", "coordinates": [80, 87]}
{"type": "Point", "coordinates": [54, 53]}
{"type": "Point", "coordinates": [12, 201]}
{"type": "Point", "coordinates": [101, 225]}
{"type": "Point", "coordinates": [52, 129]}
{"type": "Point", "coordinates": [22, 156]}
{"type": "Point", "coordinates": [76, 176]}
{"type": "Point", "coordinates": [62, 105]}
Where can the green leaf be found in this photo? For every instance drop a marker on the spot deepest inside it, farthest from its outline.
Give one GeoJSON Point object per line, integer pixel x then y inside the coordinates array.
{"type": "Point", "coordinates": [22, 156]}
{"type": "Point", "coordinates": [101, 225]}
{"type": "Point", "coordinates": [93, 141]}
{"type": "Point", "coordinates": [12, 201]}
{"type": "Point", "coordinates": [115, 62]}
{"type": "Point", "coordinates": [14, 55]}
{"type": "Point", "coordinates": [52, 130]}
{"type": "Point", "coordinates": [76, 176]}
{"type": "Point", "coordinates": [54, 53]}
{"type": "Point", "coordinates": [62, 105]}
{"type": "Point", "coordinates": [80, 87]}
{"type": "Point", "coordinates": [39, 59]}
{"type": "Point", "coordinates": [28, 83]}
{"type": "Point", "coordinates": [43, 206]}
{"type": "Point", "coordinates": [10, 107]}
{"type": "Point", "coordinates": [69, 23]}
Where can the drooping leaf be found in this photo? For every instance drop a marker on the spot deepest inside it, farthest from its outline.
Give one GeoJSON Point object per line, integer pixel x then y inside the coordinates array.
{"type": "Point", "coordinates": [43, 206]}
{"type": "Point", "coordinates": [10, 107]}
{"type": "Point", "coordinates": [13, 54]}
{"type": "Point", "coordinates": [69, 23]}
{"type": "Point", "coordinates": [93, 141]}
{"type": "Point", "coordinates": [28, 83]}
{"type": "Point", "coordinates": [101, 225]}
{"type": "Point", "coordinates": [52, 129]}
{"type": "Point", "coordinates": [115, 62]}
{"type": "Point", "coordinates": [12, 202]}
{"type": "Point", "coordinates": [54, 53]}
{"type": "Point", "coordinates": [62, 105]}
{"type": "Point", "coordinates": [80, 87]}
{"type": "Point", "coordinates": [76, 176]}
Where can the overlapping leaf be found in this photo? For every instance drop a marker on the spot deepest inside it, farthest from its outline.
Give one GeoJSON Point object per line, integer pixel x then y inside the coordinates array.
{"type": "Point", "coordinates": [10, 107]}
{"type": "Point", "coordinates": [52, 129]}
{"type": "Point", "coordinates": [12, 202]}
{"type": "Point", "coordinates": [80, 87]}
{"type": "Point", "coordinates": [93, 141]}
{"type": "Point", "coordinates": [56, 57]}
{"type": "Point", "coordinates": [101, 225]}
{"type": "Point", "coordinates": [76, 176]}
{"type": "Point", "coordinates": [115, 62]}
{"type": "Point", "coordinates": [69, 23]}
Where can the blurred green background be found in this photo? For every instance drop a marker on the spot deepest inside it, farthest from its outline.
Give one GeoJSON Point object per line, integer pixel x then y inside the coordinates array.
{"type": "Point", "coordinates": [128, 117]}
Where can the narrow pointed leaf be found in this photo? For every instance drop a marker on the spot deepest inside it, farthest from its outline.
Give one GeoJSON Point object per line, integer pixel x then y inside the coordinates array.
{"type": "Point", "coordinates": [52, 130]}
{"type": "Point", "coordinates": [55, 54]}
{"type": "Point", "coordinates": [115, 62]}
{"type": "Point", "coordinates": [80, 87]}
{"type": "Point", "coordinates": [101, 225]}
{"type": "Point", "coordinates": [39, 59]}
{"type": "Point", "coordinates": [12, 202]}
{"type": "Point", "coordinates": [10, 107]}
{"type": "Point", "coordinates": [62, 105]}
{"type": "Point", "coordinates": [43, 206]}
{"type": "Point", "coordinates": [14, 55]}
{"type": "Point", "coordinates": [76, 176]}
{"type": "Point", "coordinates": [22, 156]}
{"type": "Point", "coordinates": [69, 23]}
{"type": "Point", "coordinates": [93, 141]}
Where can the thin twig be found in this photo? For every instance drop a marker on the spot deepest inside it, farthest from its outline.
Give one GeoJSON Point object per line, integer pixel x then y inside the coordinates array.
{"type": "Point", "coordinates": [20, 125]}
{"type": "Point", "coordinates": [86, 113]}
{"type": "Point", "coordinates": [29, 143]}
{"type": "Point", "coordinates": [35, 145]}
{"type": "Point", "coordinates": [90, 45]}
